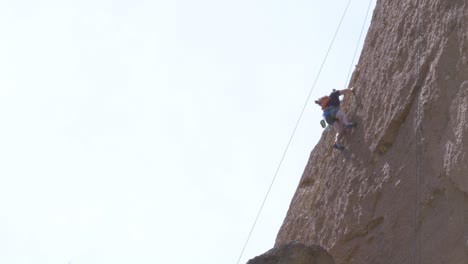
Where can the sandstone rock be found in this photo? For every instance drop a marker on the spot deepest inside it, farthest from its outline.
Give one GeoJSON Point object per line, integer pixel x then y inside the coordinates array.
{"type": "Point", "coordinates": [294, 253]}
{"type": "Point", "coordinates": [400, 195]}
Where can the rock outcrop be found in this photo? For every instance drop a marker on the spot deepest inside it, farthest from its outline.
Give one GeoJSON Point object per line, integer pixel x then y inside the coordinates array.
{"type": "Point", "coordinates": [294, 253]}
{"type": "Point", "coordinates": [400, 193]}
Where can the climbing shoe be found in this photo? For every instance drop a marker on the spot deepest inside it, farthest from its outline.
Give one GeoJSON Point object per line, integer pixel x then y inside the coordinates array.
{"type": "Point", "coordinates": [338, 146]}
{"type": "Point", "coordinates": [351, 125]}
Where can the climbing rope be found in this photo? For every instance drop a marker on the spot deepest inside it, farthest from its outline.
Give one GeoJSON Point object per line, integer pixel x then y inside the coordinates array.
{"type": "Point", "coordinates": [295, 128]}
{"type": "Point", "coordinates": [418, 138]}
{"type": "Point", "coordinates": [357, 45]}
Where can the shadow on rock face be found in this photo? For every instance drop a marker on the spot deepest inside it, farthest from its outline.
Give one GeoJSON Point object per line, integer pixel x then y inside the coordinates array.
{"type": "Point", "coordinates": [294, 253]}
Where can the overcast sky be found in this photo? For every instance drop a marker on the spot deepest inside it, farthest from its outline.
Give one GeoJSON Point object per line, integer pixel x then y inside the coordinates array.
{"type": "Point", "coordinates": [149, 131]}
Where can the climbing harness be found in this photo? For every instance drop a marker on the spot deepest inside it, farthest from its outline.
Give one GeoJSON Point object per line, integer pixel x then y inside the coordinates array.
{"type": "Point", "coordinates": [329, 114]}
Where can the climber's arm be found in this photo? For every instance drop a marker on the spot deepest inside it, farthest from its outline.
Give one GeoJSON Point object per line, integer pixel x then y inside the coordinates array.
{"type": "Point", "coordinates": [347, 91]}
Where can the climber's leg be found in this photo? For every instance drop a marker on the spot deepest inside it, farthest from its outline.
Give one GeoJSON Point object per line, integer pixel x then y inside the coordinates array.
{"type": "Point", "coordinates": [339, 135]}
{"type": "Point", "coordinates": [341, 115]}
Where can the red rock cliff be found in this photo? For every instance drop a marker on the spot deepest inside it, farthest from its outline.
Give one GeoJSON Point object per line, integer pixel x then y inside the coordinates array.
{"type": "Point", "coordinates": [400, 194]}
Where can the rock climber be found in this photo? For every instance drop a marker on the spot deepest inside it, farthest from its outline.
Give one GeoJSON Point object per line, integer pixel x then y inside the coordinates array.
{"type": "Point", "coordinates": [334, 116]}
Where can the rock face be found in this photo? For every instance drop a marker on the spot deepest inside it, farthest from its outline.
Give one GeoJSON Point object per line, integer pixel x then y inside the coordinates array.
{"type": "Point", "coordinates": [400, 193]}
{"type": "Point", "coordinates": [294, 253]}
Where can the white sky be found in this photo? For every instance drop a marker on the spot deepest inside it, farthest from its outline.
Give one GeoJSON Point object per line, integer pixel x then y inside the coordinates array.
{"type": "Point", "coordinates": [149, 131]}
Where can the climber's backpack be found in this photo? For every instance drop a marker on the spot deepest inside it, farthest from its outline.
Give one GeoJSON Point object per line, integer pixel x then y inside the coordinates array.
{"type": "Point", "coordinates": [323, 101]}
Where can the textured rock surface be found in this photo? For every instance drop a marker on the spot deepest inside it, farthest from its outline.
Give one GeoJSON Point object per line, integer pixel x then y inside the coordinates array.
{"type": "Point", "coordinates": [294, 253]}
{"type": "Point", "coordinates": [400, 195]}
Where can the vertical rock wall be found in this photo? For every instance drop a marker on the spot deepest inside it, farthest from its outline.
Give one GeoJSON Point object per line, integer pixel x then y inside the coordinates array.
{"type": "Point", "coordinates": [400, 193]}
{"type": "Point", "coordinates": [294, 253]}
